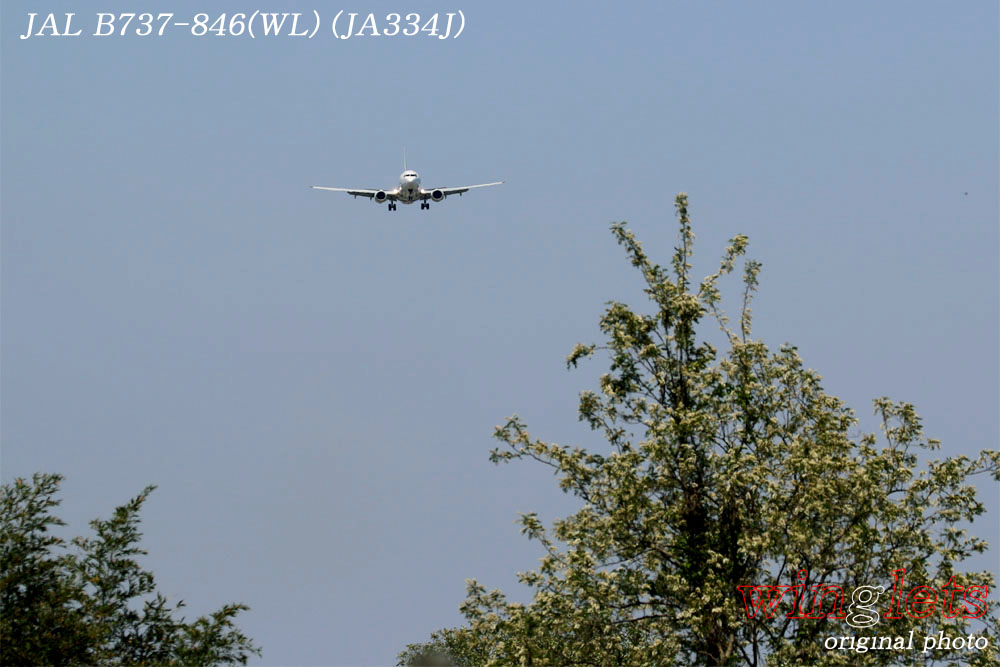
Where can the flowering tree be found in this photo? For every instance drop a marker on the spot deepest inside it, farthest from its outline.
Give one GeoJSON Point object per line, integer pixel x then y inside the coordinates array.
{"type": "Point", "coordinates": [733, 518]}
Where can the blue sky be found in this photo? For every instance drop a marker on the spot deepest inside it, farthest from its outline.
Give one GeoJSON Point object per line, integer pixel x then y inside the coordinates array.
{"type": "Point", "coordinates": [312, 381]}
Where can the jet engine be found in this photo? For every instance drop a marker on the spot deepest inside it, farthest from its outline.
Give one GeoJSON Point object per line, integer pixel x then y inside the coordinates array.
{"type": "Point", "coordinates": [380, 196]}
{"type": "Point", "coordinates": [437, 195]}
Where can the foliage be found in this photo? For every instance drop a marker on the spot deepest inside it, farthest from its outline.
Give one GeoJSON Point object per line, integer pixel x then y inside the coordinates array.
{"type": "Point", "coordinates": [93, 604]}
{"type": "Point", "coordinates": [723, 471]}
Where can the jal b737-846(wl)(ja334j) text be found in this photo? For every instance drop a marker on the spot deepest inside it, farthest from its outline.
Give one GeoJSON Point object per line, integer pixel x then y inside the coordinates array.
{"type": "Point", "coordinates": [343, 26]}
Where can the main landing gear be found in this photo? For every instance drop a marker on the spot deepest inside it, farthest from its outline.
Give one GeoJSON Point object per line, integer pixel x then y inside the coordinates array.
{"type": "Point", "coordinates": [392, 206]}
{"type": "Point", "coordinates": [425, 205]}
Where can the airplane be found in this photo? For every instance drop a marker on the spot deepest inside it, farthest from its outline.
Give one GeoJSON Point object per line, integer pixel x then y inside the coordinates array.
{"type": "Point", "coordinates": [408, 191]}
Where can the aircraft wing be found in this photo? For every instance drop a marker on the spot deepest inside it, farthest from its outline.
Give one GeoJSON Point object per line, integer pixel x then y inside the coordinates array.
{"type": "Point", "coordinates": [357, 192]}
{"type": "Point", "coordinates": [457, 191]}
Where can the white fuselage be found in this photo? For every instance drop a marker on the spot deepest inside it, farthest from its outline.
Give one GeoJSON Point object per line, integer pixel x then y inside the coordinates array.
{"type": "Point", "coordinates": [409, 187]}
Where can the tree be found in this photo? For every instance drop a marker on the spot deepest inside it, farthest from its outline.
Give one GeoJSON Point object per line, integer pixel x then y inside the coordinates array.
{"type": "Point", "coordinates": [731, 483]}
{"type": "Point", "coordinates": [94, 604]}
